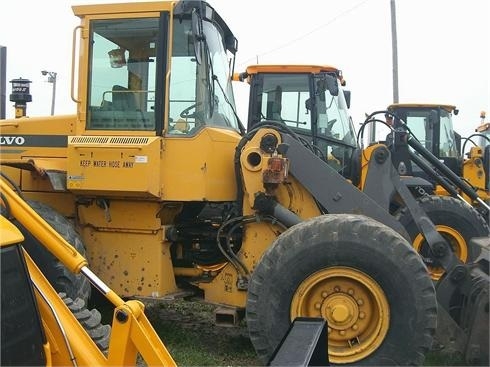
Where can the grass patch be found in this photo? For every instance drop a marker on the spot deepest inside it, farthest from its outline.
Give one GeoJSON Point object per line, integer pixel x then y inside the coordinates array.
{"type": "Point", "coordinates": [444, 359]}
{"type": "Point", "coordinates": [187, 329]}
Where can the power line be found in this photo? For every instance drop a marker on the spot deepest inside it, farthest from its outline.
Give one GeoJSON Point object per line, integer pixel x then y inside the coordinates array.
{"type": "Point", "coordinates": [345, 12]}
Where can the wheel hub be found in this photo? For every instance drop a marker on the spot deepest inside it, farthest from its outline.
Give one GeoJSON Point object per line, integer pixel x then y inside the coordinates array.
{"type": "Point", "coordinates": [354, 305]}
{"type": "Point", "coordinates": [453, 237]}
{"type": "Point", "coordinates": [340, 311]}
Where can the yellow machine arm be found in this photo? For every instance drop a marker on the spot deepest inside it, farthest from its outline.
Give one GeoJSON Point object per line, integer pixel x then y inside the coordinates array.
{"type": "Point", "coordinates": [67, 342]}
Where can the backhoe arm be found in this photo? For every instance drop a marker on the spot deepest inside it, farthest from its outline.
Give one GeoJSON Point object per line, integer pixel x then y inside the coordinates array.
{"type": "Point", "coordinates": [132, 333]}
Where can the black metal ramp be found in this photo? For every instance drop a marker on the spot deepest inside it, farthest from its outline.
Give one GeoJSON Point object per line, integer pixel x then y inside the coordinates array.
{"type": "Point", "coordinates": [305, 344]}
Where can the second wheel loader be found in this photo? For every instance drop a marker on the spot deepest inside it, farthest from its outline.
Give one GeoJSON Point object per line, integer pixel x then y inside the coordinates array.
{"type": "Point", "coordinates": [169, 195]}
{"type": "Point", "coordinates": [316, 112]}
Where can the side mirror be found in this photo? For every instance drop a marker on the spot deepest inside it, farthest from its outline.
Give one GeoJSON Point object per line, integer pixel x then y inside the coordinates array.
{"type": "Point", "coordinates": [117, 58]}
{"type": "Point", "coordinates": [196, 23]}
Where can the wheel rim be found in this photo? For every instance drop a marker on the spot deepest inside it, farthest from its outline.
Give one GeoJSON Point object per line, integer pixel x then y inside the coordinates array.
{"type": "Point", "coordinates": [456, 241]}
{"type": "Point", "coordinates": [354, 305]}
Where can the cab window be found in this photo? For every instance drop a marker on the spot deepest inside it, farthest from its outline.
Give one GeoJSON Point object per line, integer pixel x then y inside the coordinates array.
{"type": "Point", "coordinates": [123, 74]}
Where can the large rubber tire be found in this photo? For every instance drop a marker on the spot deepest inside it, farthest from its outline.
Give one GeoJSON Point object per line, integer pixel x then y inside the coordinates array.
{"type": "Point", "coordinates": [361, 276]}
{"type": "Point", "coordinates": [90, 320]}
{"type": "Point", "coordinates": [73, 285]}
{"type": "Point", "coordinates": [456, 221]}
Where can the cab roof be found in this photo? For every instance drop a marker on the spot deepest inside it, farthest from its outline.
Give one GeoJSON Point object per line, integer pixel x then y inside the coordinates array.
{"type": "Point", "coordinates": [447, 107]}
{"type": "Point", "coordinates": [290, 68]}
{"type": "Point", "coordinates": [128, 7]}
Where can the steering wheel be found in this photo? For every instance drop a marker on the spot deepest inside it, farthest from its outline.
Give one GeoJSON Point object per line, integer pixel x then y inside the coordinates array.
{"type": "Point", "coordinates": [185, 114]}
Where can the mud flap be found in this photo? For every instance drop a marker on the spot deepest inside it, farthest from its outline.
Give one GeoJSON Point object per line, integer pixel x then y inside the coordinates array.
{"type": "Point", "coordinates": [305, 344]}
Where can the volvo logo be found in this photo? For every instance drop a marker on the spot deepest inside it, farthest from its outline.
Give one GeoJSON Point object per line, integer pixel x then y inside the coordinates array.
{"type": "Point", "coordinates": [12, 140]}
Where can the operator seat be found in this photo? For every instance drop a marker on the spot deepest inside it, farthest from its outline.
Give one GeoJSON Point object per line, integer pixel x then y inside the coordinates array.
{"type": "Point", "coordinates": [127, 113]}
{"type": "Point", "coordinates": [123, 99]}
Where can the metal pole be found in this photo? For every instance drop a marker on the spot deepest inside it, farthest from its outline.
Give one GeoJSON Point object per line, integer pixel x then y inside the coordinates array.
{"type": "Point", "coordinates": [51, 79]}
{"type": "Point", "coordinates": [3, 81]}
{"type": "Point", "coordinates": [53, 97]}
{"type": "Point", "coordinates": [394, 52]}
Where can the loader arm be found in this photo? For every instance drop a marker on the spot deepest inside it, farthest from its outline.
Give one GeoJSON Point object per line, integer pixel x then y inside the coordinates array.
{"type": "Point", "coordinates": [382, 179]}
{"type": "Point", "coordinates": [450, 175]}
{"type": "Point", "coordinates": [331, 189]}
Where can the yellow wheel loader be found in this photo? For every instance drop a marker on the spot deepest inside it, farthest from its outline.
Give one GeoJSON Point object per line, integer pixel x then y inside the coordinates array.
{"type": "Point", "coordinates": [306, 101]}
{"type": "Point", "coordinates": [170, 196]}
{"type": "Point", "coordinates": [435, 154]}
{"type": "Point", "coordinates": [463, 174]}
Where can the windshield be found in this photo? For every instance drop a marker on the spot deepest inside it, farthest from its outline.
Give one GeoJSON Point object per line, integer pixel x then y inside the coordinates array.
{"type": "Point", "coordinates": [436, 137]}
{"type": "Point", "coordinates": [200, 93]}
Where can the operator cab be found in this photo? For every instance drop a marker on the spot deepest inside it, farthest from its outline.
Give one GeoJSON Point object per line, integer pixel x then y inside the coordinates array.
{"type": "Point", "coordinates": [311, 102]}
{"type": "Point", "coordinates": [432, 126]}
{"type": "Point", "coordinates": [141, 83]}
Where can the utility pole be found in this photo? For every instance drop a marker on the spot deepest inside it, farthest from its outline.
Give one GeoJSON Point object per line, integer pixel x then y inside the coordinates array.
{"type": "Point", "coordinates": [394, 49]}
{"type": "Point", "coordinates": [51, 79]}
{"type": "Point", "coordinates": [3, 81]}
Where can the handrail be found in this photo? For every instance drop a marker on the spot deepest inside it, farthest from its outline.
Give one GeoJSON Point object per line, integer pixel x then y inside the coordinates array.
{"type": "Point", "coordinates": [72, 88]}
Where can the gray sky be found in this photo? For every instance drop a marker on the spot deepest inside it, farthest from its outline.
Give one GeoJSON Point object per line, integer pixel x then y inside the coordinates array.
{"type": "Point", "coordinates": [443, 48]}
